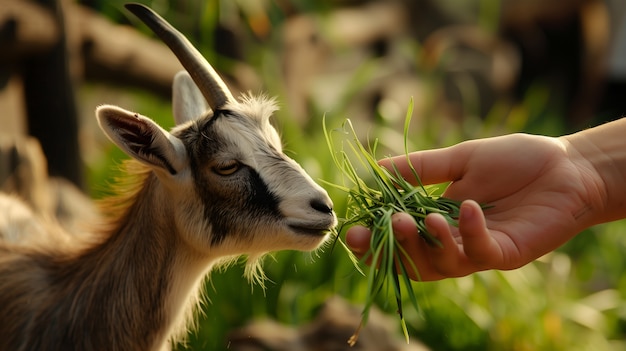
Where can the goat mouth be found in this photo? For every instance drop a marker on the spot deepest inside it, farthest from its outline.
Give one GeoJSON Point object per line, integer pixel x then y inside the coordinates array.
{"type": "Point", "coordinates": [311, 231]}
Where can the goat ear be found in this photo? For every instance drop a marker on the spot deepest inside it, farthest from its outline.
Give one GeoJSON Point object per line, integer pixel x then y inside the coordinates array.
{"type": "Point", "coordinates": [187, 100]}
{"type": "Point", "coordinates": [142, 139]}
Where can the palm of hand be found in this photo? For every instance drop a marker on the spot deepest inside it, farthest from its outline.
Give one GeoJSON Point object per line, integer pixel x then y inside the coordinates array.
{"type": "Point", "coordinates": [536, 200]}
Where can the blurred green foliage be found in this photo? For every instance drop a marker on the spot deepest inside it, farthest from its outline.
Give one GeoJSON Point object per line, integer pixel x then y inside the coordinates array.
{"type": "Point", "coordinates": [572, 299]}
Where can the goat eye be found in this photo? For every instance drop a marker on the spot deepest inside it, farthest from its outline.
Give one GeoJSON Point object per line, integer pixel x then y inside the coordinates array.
{"type": "Point", "coordinates": [227, 168]}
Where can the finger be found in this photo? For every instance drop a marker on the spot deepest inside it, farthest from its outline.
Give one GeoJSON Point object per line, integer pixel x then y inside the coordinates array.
{"type": "Point", "coordinates": [404, 227]}
{"type": "Point", "coordinates": [432, 166]}
{"type": "Point", "coordinates": [446, 257]}
{"type": "Point", "coordinates": [479, 246]}
{"type": "Point", "coordinates": [358, 239]}
{"type": "Point", "coordinates": [433, 262]}
{"type": "Point", "coordinates": [406, 233]}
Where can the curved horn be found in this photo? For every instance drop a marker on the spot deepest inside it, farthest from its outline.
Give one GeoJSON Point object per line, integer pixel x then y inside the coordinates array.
{"type": "Point", "coordinates": [209, 82]}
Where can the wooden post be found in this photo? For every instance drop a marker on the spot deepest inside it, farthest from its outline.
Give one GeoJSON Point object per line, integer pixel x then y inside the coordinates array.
{"type": "Point", "coordinates": [50, 104]}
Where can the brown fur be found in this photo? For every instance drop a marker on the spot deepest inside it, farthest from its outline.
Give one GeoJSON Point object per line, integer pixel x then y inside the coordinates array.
{"type": "Point", "coordinates": [112, 295]}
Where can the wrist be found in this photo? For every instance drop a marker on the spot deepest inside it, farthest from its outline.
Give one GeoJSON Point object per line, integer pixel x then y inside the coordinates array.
{"type": "Point", "coordinates": [600, 155]}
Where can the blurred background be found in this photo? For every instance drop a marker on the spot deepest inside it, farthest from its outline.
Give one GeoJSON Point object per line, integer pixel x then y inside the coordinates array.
{"type": "Point", "coordinates": [474, 68]}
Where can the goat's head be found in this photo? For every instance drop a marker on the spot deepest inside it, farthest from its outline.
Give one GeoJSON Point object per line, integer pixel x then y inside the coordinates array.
{"type": "Point", "coordinates": [222, 165]}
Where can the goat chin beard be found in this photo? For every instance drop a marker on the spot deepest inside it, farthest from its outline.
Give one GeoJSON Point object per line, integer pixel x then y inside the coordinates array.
{"type": "Point", "coordinates": [254, 272]}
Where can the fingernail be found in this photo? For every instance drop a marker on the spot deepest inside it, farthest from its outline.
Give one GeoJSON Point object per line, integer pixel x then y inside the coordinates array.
{"type": "Point", "coordinates": [467, 211]}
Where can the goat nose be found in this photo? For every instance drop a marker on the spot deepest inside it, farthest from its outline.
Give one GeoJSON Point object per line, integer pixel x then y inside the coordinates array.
{"type": "Point", "coordinates": [322, 205]}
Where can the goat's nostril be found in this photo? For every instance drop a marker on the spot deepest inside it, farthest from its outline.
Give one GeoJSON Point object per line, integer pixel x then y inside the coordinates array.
{"type": "Point", "coordinates": [322, 205]}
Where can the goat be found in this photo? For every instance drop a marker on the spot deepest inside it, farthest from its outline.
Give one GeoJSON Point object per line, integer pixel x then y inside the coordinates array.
{"type": "Point", "coordinates": [217, 186]}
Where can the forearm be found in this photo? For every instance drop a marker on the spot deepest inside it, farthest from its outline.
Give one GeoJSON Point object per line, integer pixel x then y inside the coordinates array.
{"type": "Point", "coordinates": [603, 150]}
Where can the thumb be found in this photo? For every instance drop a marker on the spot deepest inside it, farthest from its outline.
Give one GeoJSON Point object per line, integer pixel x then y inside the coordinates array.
{"type": "Point", "coordinates": [432, 166]}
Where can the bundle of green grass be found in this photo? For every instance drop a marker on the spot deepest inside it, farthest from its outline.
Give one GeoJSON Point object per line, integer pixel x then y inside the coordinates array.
{"type": "Point", "coordinates": [372, 204]}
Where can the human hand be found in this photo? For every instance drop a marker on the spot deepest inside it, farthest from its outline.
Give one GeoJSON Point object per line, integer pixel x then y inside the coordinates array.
{"type": "Point", "coordinates": [542, 193]}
